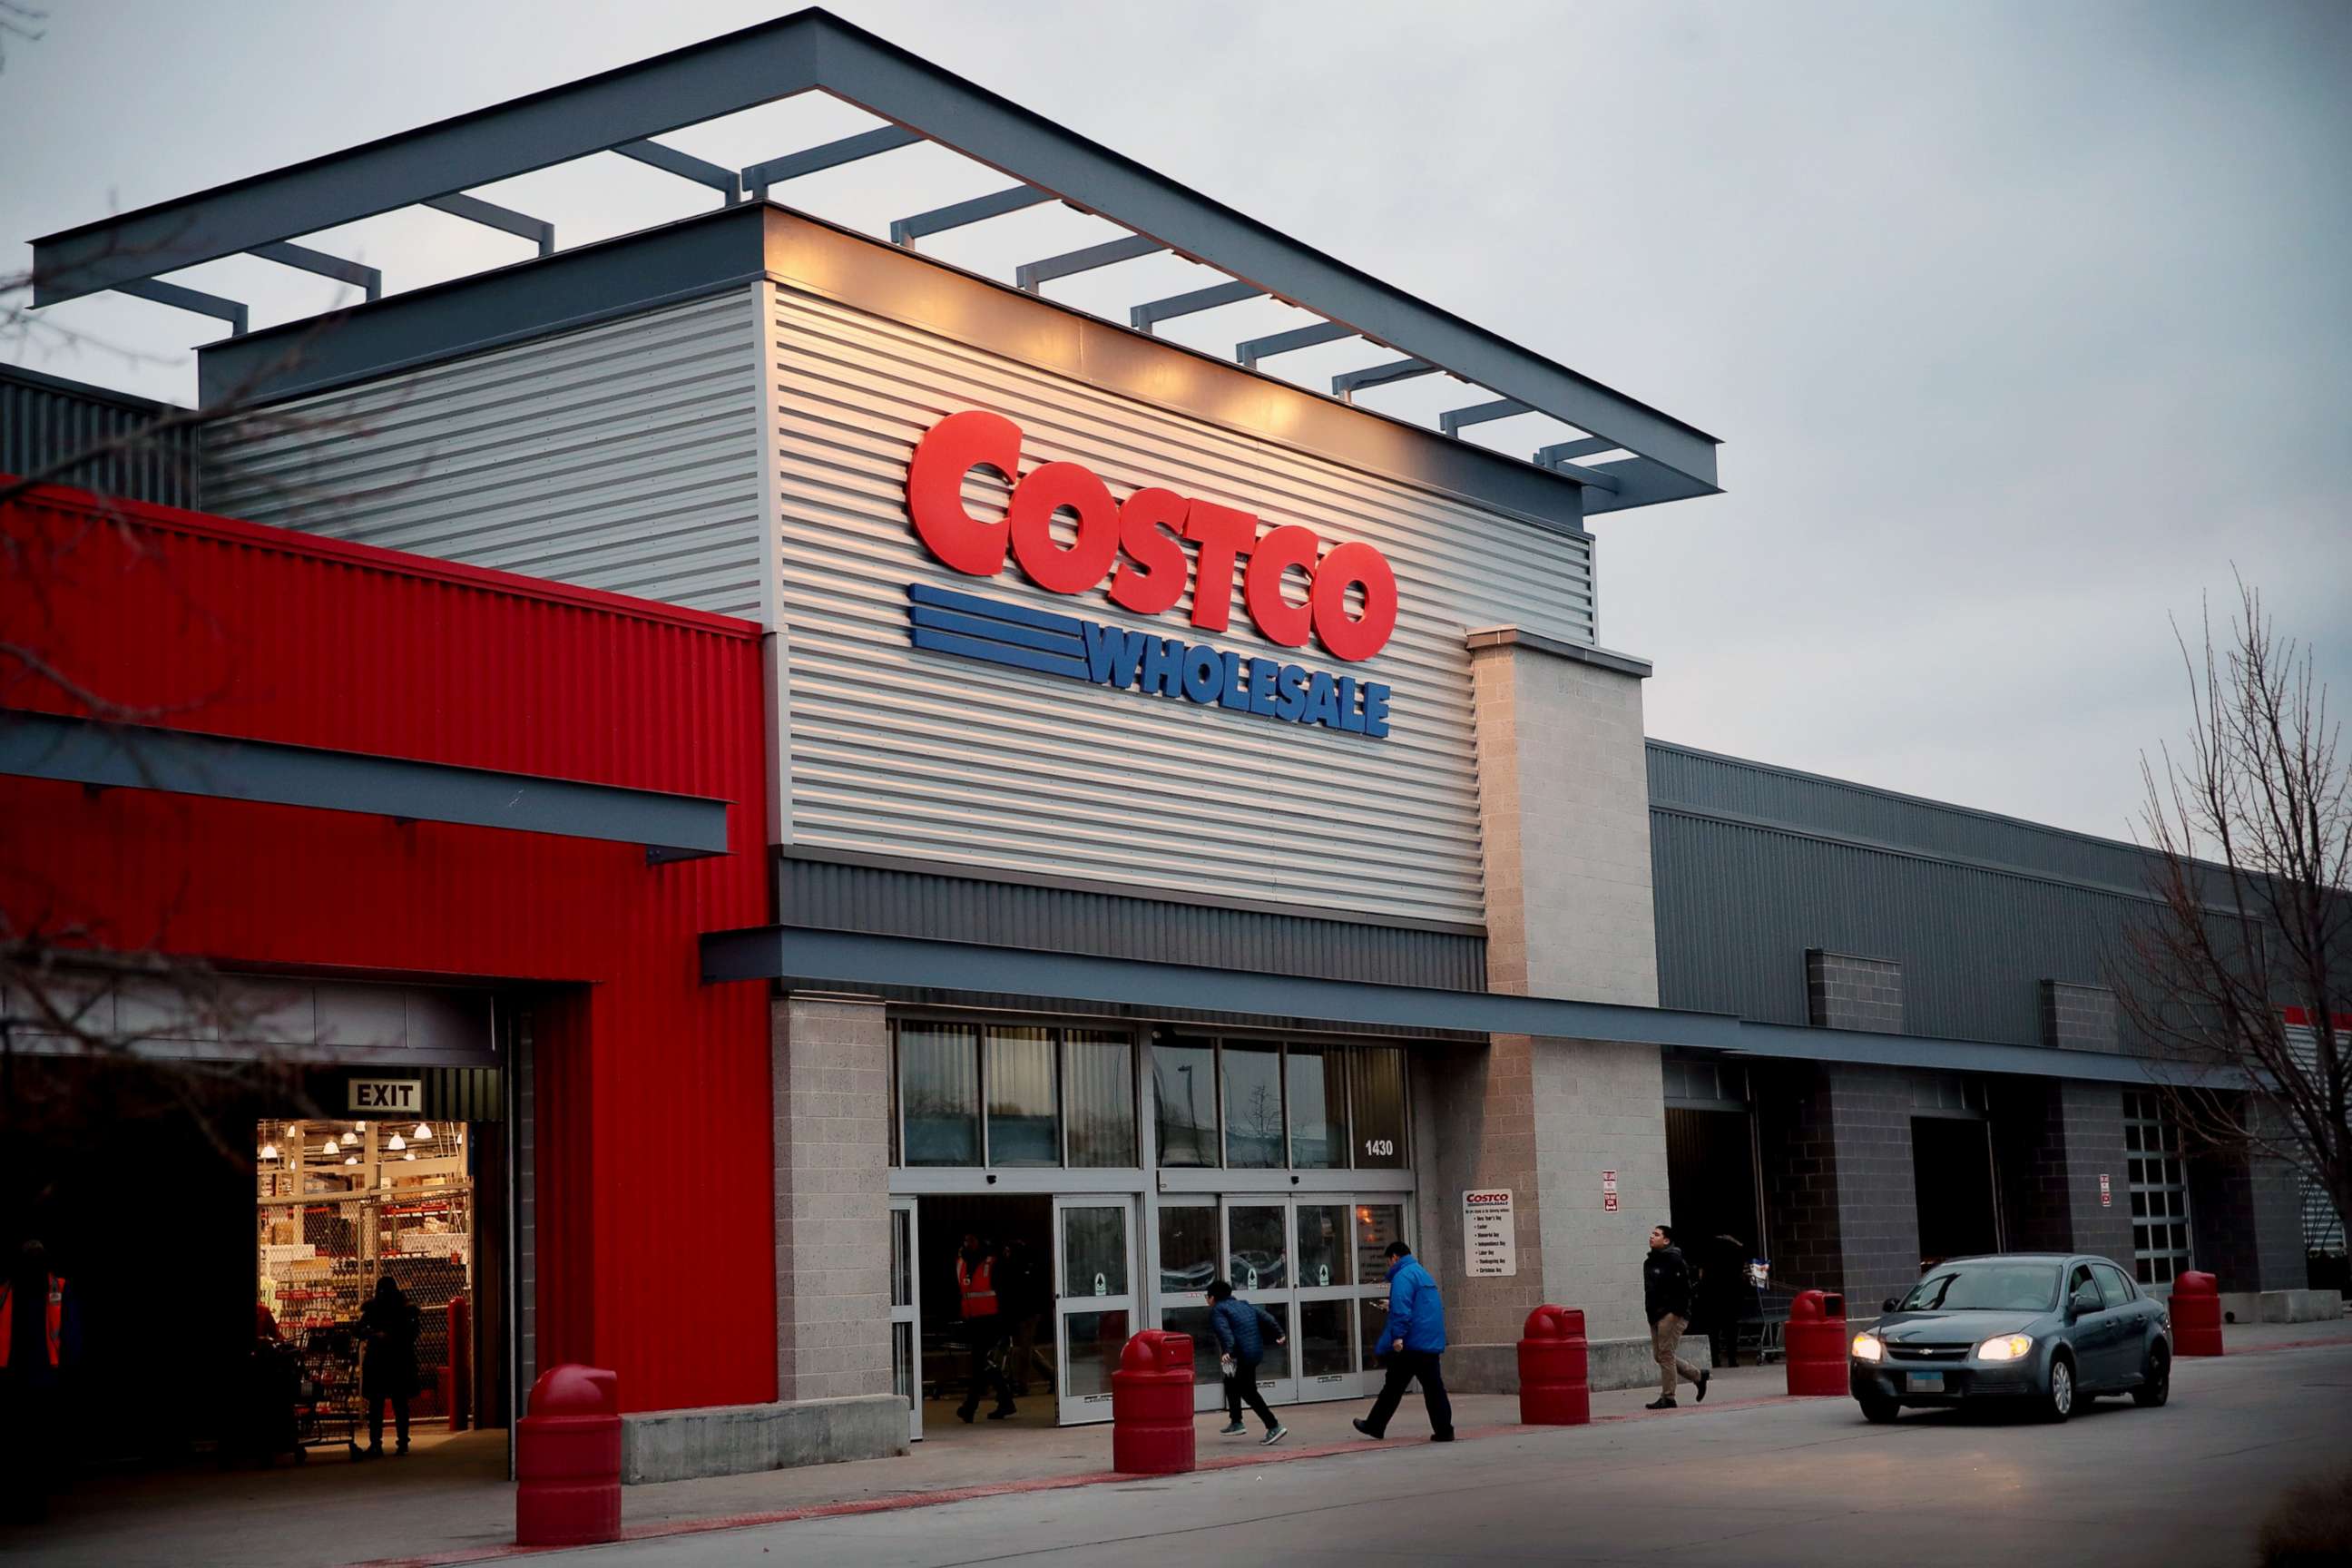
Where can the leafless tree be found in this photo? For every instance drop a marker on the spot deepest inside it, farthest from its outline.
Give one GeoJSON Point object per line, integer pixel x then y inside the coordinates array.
{"type": "Point", "coordinates": [2251, 825]}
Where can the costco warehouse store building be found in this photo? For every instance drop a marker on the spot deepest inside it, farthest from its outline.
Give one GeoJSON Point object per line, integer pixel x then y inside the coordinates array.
{"type": "Point", "coordinates": [795, 753]}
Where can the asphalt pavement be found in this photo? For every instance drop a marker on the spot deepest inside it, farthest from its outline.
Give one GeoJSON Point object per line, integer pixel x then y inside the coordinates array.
{"type": "Point", "coordinates": [1799, 1482]}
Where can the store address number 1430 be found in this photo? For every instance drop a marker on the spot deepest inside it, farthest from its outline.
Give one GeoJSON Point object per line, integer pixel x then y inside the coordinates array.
{"type": "Point", "coordinates": [1379, 1148]}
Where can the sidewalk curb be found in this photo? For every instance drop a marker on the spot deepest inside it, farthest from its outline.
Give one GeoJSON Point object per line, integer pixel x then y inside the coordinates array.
{"type": "Point", "coordinates": [896, 1501]}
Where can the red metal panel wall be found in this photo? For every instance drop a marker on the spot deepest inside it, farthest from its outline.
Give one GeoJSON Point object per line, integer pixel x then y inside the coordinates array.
{"type": "Point", "coordinates": [654, 1120]}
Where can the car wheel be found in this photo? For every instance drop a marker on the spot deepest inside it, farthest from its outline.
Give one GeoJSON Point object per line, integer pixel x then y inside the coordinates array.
{"type": "Point", "coordinates": [1880, 1410]}
{"type": "Point", "coordinates": [2156, 1380]}
{"type": "Point", "coordinates": [2058, 1398]}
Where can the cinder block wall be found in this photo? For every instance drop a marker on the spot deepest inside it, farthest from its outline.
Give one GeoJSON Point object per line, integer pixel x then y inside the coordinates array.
{"type": "Point", "coordinates": [1599, 1107]}
{"type": "Point", "coordinates": [2053, 1138]}
{"type": "Point", "coordinates": [831, 1073]}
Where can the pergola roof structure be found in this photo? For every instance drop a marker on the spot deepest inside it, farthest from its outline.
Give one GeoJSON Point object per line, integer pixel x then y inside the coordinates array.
{"type": "Point", "coordinates": [1628, 454]}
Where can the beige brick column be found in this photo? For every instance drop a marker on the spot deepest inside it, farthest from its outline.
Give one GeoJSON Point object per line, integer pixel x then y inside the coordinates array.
{"type": "Point", "coordinates": [1564, 810]}
{"type": "Point", "coordinates": [830, 1071]}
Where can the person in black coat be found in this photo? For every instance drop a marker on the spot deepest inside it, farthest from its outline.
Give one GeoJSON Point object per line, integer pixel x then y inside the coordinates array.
{"type": "Point", "coordinates": [1667, 1297]}
{"type": "Point", "coordinates": [388, 1327]}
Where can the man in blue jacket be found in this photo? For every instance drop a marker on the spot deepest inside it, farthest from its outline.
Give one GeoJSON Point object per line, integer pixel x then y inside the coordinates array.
{"type": "Point", "coordinates": [1411, 1343]}
{"type": "Point", "coordinates": [1242, 1329]}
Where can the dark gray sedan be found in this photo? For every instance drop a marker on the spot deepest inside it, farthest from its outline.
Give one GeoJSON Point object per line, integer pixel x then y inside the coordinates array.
{"type": "Point", "coordinates": [2045, 1330]}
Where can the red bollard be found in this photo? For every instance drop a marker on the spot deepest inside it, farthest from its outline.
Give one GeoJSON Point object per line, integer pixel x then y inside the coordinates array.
{"type": "Point", "coordinates": [460, 1365]}
{"type": "Point", "coordinates": [1814, 1344]}
{"type": "Point", "coordinates": [568, 1460]}
{"type": "Point", "coordinates": [1151, 1405]}
{"type": "Point", "coordinates": [1553, 1391]}
{"type": "Point", "coordinates": [2195, 1315]}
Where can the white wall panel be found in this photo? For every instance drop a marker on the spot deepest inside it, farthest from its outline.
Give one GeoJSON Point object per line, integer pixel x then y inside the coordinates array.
{"type": "Point", "coordinates": [626, 457]}
{"type": "Point", "coordinates": [914, 753]}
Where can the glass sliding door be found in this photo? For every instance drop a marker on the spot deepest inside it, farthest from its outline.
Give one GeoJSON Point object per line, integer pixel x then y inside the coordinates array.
{"type": "Point", "coordinates": [1325, 1341]}
{"type": "Point", "coordinates": [1258, 1253]}
{"type": "Point", "coordinates": [1096, 1294]}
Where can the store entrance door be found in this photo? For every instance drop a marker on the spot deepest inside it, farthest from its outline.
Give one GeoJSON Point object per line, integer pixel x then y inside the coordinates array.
{"type": "Point", "coordinates": [1095, 1299]}
{"type": "Point", "coordinates": [1259, 1261]}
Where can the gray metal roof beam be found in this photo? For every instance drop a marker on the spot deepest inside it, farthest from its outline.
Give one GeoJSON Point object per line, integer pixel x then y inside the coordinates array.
{"type": "Point", "coordinates": [1144, 316]}
{"type": "Point", "coordinates": [794, 54]}
{"type": "Point", "coordinates": [1349, 383]}
{"type": "Point", "coordinates": [289, 255]}
{"type": "Point", "coordinates": [832, 155]}
{"type": "Point", "coordinates": [686, 166]}
{"type": "Point", "coordinates": [905, 231]}
{"type": "Point", "coordinates": [181, 297]}
{"type": "Point", "coordinates": [1636, 481]}
{"type": "Point", "coordinates": [1454, 419]}
{"type": "Point", "coordinates": [1256, 349]}
{"type": "Point", "coordinates": [1561, 452]}
{"type": "Point", "coordinates": [1030, 274]}
{"type": "Point", "coordinates": [489, 214]}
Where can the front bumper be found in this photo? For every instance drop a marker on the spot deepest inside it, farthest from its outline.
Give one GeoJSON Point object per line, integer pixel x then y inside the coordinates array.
{"type": "Point", "coordinates": [1944, 1382]}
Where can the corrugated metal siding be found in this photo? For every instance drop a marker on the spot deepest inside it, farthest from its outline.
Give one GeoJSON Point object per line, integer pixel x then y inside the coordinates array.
{"type": "Point", "coordinates": [1701, 781]}
{"type": "Point", "coordinates": [906, 753]}
{"type": "Point", "coordinates": [1738, 903]}
{"type": "Point", "coordinates": [895, 902]}
{"type": "Point", "coordinates": [239, 630]}
{"type": "Point", "coordinates": [44, 422]}
{"type": "Point", "coordinates": [624, 456]}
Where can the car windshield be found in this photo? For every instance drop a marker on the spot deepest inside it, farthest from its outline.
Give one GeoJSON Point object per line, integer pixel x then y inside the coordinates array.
{"type": "Point", "coordinates": [1986, 1288]}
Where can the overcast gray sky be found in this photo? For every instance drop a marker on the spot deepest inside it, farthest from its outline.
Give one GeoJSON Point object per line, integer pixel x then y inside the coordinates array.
{"type": "Point", "coordinates": [2023, 324]}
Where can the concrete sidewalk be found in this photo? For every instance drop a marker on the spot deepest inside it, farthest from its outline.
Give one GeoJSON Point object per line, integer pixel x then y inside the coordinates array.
{"type": "Point", "coordinates": [450, 1498]}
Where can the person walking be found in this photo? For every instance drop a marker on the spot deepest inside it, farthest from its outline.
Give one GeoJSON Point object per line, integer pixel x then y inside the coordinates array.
{"type": "Point", "coordinates": [1412, 1344]}
{"type": "Point", "coordinates": [1667, 1297]}
{"type": "Point", "coordinates": [39, 1345]}
{"type": "Point", "coordinates": [1241, 1329]}
{"type": "Point", "coordinates": [388, 1327]}
{"type": "Point", "coordinates": [983, 1330]}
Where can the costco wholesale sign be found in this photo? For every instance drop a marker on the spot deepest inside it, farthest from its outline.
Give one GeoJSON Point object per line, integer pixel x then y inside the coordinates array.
{"type": "Point", "coordinates": [1350, 607]}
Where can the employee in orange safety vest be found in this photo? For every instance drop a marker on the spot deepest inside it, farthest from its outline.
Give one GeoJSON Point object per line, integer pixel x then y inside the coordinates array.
{"type": "Point", "coordinates": [36, 1349]}
{"type": "Point", "coordinates": [983, 1328]}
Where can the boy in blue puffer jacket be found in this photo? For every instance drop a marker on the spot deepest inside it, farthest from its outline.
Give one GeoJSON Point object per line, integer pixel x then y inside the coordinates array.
{"type": "Point", "coordinates": [1410, 1346]}
{"type": "Point", "coordinates": [1241, 1329]}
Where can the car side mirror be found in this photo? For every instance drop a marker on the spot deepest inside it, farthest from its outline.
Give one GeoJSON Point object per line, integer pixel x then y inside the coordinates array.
{"type": "Point", "coordinates": [1890, 1305]}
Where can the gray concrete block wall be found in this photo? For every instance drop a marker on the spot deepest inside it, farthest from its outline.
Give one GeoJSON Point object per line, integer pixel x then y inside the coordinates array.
{"type": "Point", "coordinates": [1878, 1205]}
{"type": "Point", "coordinates": [2092, 1117]}
{"type": "Point", "coordinates": [1599, 1107]}
{"type": "Point", "coordinates": [1564, 820]}
{"type": "Point", "coordinates": [1797, 1147]}
{"type": "Point", "coordinates": [2052, 1140]}
{"type": "Point", "coordinates": [1843, 991]}
{"type": "Point", "coordinates": [830, 1071]}
{"type": "Point", "coordinates": [2078, 1017]}
{"type": "Point", "coordinates": [1474, 1127]}
{"type": "Point", "coordinates": [2245, 1215]}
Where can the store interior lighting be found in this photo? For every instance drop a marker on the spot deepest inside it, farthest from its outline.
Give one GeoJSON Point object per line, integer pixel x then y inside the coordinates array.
{"type": "Point", "coordinates": [270, 1150]}
{"type": "Point", "coordinates": [410, 1155]}
{"type": "Point", "coordinates": [423, 1133]}
{"type": "Point", "coordinates": [350, 1159]}
{"type": "Point", "coordinates": [397, 1143]}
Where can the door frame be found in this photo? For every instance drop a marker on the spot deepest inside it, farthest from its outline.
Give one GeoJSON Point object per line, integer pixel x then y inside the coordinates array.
{"type": "Point", "coordinates": [909, 1314]}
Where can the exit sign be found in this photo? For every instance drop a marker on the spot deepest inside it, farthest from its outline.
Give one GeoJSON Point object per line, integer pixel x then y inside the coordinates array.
{"type": "Point", "coordinates": [387, 1096]}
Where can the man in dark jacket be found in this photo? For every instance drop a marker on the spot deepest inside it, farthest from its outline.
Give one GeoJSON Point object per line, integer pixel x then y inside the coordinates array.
{"type": "Point", "coordinates": [1667, 1297]}
{"type": "Point", "coordinates": [388, 1327]}
{"type": "Point", "coordinates": [1241, 1330]}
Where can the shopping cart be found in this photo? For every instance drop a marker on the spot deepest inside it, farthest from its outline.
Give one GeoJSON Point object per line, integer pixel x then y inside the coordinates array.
{"type": "Point", "coordinates": [327, 1405]}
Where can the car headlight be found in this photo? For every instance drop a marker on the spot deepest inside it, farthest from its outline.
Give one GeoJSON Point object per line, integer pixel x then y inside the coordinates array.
{"type": "Point", "coordinates": [2008, 1347]}
{"type": "Point", "coordinates": [1867, 1347]}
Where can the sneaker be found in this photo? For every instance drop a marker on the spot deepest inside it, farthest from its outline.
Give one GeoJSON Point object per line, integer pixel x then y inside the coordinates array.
{"type": "Point", "coordinates": [1441, 1437]}
{"type": "Point", "coordinates": [1231, 1429]}
{"type": "Point", "coordinates": [1659, 1404]}
{"type": "Point", "coordinates": [1702, 1386]}
{"type": "Point", "coordinates": [1271, 1439]}
{"type": "Point", "coordinates": [1367, 1431]}
{"type": "Point", "coordinates": [1001, 1410]}
{"type": "Point", "coordinates": [964, 1412]}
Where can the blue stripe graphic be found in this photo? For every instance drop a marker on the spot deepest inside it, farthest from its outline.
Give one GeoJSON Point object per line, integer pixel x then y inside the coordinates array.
{"type": "Point", "coordinates": [990, 609]}
{"type": "Point", "coordinates": [1072, 665]}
